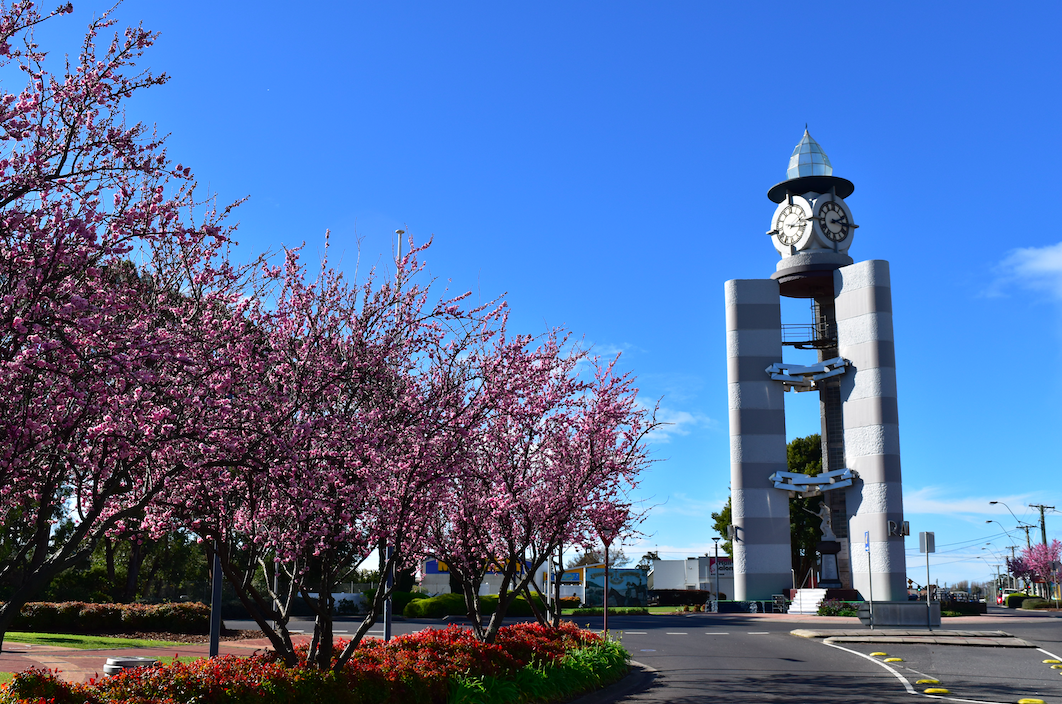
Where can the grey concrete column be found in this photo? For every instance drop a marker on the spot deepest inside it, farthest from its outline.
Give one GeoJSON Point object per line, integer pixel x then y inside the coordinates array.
{"type": "Point", "coordinates": [871, 428]}
{"type": "Point", "coordinates": [762, 562]}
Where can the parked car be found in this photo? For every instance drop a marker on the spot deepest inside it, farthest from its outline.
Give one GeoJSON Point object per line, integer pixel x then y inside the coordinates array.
{"type": "Point", "coordinates": [1001, 597]}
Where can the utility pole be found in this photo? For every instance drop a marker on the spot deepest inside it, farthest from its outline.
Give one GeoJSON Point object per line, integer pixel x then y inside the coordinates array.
{"type": "Point", "coordinates": [1043, 526]}
{"type": "Point", "coordinates": [1026, 528]}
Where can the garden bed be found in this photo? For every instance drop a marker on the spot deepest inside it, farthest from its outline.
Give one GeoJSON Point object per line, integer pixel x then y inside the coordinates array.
{"type": "Point", "coordinates": [527, 663]}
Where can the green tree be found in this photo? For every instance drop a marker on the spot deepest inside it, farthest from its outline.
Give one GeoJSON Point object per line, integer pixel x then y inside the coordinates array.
{"type": "Point", "coordinates": [804, 456]}
{"type": "Point", "coordinates": [721, 521]}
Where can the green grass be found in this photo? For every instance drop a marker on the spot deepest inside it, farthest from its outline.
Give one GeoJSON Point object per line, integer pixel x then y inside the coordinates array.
{"type": "Point", "coordinates": [169, 659]}
{"type": "Point", "coordinates": [581, 670]}
{"type": "Point", "coordinates": [68, 640]}
{"type": "Point", "coordinates": [6, 676]}
{"type": "Point", "coordinates": [613, 609]}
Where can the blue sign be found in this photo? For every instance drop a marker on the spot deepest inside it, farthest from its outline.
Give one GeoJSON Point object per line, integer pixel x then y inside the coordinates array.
{"type": "Point", "coordinates": [866, 541]}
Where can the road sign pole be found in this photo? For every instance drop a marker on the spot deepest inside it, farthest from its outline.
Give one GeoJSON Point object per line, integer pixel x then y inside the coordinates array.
{"type": "Point", "coordinates": [870, 575]}
{"type": "Point", "coordinates": [927, 543]}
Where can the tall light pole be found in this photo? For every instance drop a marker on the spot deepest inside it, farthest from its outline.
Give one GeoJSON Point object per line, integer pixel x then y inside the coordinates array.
{"type": "Point", "coordinates": [388, 578]}
{"type": "Point", "coordinates": [716, 539]}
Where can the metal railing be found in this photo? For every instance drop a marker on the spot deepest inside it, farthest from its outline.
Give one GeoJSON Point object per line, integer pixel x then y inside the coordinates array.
{"type": "Point", "coordinates": [809, 335]}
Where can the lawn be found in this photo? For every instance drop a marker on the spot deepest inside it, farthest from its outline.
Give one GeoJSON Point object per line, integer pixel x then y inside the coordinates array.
{"type": "Point", "coordinates": [81, 642]}
{"type": "Point", "coordinates": [651, 609]}
{"type": "Point", "coordinates": [6, 676]}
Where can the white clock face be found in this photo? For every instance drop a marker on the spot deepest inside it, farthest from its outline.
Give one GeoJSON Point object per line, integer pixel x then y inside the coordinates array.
{"type": "Point", "coordinates": [792, 224]}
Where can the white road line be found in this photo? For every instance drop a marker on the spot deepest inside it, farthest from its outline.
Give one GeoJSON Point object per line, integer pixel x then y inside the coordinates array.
{"type": "Point", "coordinates": [635, 633]}
{"type": "Point", "coordinates": [334, 631]}
{"type": "Point", "coordinates": [1053, 656]}
{"type": "Point", "coordinates": [759, 633]}
{"type": "Point", "coordinates": [716, 633]}
{"type": "Point", "coordinates": [677, 634]}
{"type": "Point", "coordinates": [906, 683]}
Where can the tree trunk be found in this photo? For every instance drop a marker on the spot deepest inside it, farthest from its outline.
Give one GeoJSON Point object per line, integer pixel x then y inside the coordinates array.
{"type": "Point", "coordinates": [136, 558]}
{"type": "Point", "coordinates": [382, 593]}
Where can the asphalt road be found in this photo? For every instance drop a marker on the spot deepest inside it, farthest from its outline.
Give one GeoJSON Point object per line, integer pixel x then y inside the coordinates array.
{"type": "Point", "coordinates": [701, 658]}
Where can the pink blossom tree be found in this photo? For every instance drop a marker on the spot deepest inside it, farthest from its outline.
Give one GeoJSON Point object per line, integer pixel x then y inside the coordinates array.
{"type": "Point", "coordinates": [102, 359]}
{"type": "Point", "coordinates": [1042, 560]}
{"type": "Point", "coordinates": [551, 445]}
{"type": "Point", "coordinates": [345, 417]}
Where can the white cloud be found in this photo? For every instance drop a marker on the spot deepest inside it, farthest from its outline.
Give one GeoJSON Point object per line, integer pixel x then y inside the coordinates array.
{"type": "Point", "coordinates": [669, 551]}
{"type": "Point", "coordinates": [937, 501]}
{"type": "Point", "coordinates": [679, 504]}
{"type": "Point", "coordinates": [1034, 268]}
{"type": "Point", "coordinates": [677, 423]}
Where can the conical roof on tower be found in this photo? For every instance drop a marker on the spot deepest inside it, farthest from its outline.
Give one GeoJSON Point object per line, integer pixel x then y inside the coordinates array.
{"type": "Point", "coordinates": [808, 159]}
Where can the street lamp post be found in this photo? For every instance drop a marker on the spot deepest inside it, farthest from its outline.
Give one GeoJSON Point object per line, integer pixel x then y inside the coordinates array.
{"type": "Point", "coordinates": [1020, 524]}
{"type": "Point", "coordinates": [716, 609]}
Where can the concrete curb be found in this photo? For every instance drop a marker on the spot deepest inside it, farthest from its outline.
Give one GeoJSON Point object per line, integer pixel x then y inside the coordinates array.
{"type": "Point", "coordinates": [640, 678]}
{"type": "Point", "coordinates": [987, 639]}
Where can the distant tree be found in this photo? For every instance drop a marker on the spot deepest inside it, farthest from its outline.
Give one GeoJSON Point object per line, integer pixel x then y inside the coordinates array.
{"type": "Point", "coordinates": [647, 560]}
{"type": "Point", "coordinates": [1019, 568]}
{"type": "Point", "coordinates": [595, 556]}
{"type": "Point", "coordinates": [721, 523]}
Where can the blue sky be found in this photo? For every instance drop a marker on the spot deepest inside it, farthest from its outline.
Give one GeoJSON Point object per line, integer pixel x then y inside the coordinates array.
{"type": "Point", "coordinates": [606, 165]}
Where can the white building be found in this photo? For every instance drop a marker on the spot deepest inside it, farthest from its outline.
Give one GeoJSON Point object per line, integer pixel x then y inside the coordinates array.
{"type": "Point", "coordinates": [693, 573]}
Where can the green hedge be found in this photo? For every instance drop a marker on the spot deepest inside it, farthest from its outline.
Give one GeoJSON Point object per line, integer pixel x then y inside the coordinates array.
{"type": "Point", "coordinates": [454, 605]}
{"type": "Point", "coordinates": [81, 617]}
{"type": "Point", "coordinates": [1038, 603]}
{"type": "Point", "coordinates": [1014, 600]}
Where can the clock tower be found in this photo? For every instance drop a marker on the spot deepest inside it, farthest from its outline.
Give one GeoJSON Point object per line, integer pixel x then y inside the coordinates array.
{"type": "Point", "coordinates": [850, 332]}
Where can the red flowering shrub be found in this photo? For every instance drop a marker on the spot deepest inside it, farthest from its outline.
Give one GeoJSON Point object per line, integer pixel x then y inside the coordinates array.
{"type": "Point", "coordinates": [527, 642]}
{"type": "Point", "coordinates": [422, 667]}
{"type": "Point", "coordinates": [38, 685]}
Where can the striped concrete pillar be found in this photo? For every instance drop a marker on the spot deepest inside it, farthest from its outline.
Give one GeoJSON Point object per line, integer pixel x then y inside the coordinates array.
{"type": "Point", "coordinates": [871, 430]}
{"type": "Point", "coordinates": [762, 563]}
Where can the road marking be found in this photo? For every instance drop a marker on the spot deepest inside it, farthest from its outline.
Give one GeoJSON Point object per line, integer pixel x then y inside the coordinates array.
{"type": "Point", "coordinates": [716, 633]}
{"type": "Point", "coordinates": [1047, 653]}
{"type": "Point", "coordinates": [335, 631]}
{"type": "Point", "coordinates": [759, 633]}
{"type": "Point", "coordinates": [635, 633]}
{"type": "Point", "coordinates": [677, 634]}
{"type": "Point", "coordinates": [903, 680]}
